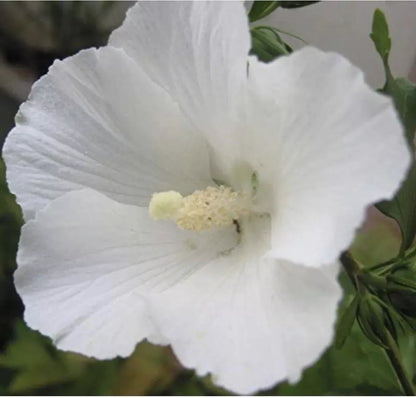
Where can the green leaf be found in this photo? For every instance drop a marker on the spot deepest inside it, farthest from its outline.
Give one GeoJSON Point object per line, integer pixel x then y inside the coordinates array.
{"type": "Point", "coordinates": [380, 34]}
{"type": "Point", "coordinates": [267, 44]}
{"type": "Point", "coordinates": [296, 4]}
{"type": "Point", "coordinates": [36, 365]}
{"type": "Point", "coordinates": [98, 378]}
{"type": "Point", "coordinates": [407, 347]}
{"type": "Point", "coordinates": [345, 322]}
{"type": "Point", "coordinates": [403, 93]}
{"type": "Point", "coordinates": [38, 368]}
{"type": "Point", "coordinates": [403, 209]}
{"type": "Point", "coordinates": [260, 9]}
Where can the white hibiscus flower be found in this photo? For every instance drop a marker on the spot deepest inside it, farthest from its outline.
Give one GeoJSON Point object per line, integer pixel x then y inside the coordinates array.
{"type": "Point", "coordinates": [259, 175]}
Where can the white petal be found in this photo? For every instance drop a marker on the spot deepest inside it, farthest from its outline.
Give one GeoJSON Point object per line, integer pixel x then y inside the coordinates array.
{"type": "Point", "coordinates": [97, 121]}
{"type": "Point", "coordinates": [85, 262]}
{"type": "Point", "coordinates": [249, 322]}
{"type": "Point", "coordinates": [326, 146]}
{"type": "Point", "coordinates": [197, 51]}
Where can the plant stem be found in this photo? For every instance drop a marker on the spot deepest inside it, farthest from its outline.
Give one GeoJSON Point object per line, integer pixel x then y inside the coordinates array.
{"type": "Point", "coordinates": [394, 355]}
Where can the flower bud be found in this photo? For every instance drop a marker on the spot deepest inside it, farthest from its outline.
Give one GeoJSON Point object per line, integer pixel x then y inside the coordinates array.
{"type": "Point", "coordinates": [267, 44]}
{"type": "Point", "coordinates": [375, 319]}
{"type": "Point", "coordinates": [401, 289]}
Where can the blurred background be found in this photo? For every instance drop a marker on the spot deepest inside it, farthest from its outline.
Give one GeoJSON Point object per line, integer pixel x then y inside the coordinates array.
{"type": "Point", "coordinates": [32, 35]}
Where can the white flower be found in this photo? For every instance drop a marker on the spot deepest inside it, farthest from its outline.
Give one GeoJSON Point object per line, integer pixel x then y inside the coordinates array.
{"type": "Point", "coordinates": [247, 289]}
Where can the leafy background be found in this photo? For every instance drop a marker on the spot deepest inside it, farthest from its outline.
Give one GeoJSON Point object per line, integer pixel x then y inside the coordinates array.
{"type": "Point", "coordinates": [29, 363]}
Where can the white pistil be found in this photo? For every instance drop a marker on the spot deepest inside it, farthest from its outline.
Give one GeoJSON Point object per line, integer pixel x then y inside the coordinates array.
{"type": "Point", "coordinates": [213, 207]}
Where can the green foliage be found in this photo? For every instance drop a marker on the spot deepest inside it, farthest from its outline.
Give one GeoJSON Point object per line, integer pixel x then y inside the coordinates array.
{"type": "Point", "coordinates": [401, 289]}
{"type": "Point", "coordinates": [267, 43]}
{"type": "Point", "coordinates": [296, 4]}
{"type": "Point", "coordinates": [382, 322]}
{"type": "Point", "coordinates": [407, 346]}
{"type": "Point", "coordinates": [403, 93]}
{"type": "Point", "coordinates": [10, 222]}
{"type": "Point", "coordinates": [35, 365]}
{"type": "Point", "coordinates": [38, 367]}
{"type": "Point", "coordinates": [375, 319]}
{"type": "Point", "coordinates": [402, 207]}
{"type": "Point", "coordinates": [261, 9]}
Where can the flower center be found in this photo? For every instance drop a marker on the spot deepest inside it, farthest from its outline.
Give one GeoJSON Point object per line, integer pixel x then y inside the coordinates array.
{"type": "Point", "coordinates": [213, 207]}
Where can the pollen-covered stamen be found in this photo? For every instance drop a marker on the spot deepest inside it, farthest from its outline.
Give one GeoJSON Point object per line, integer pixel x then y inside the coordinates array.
{"type": "Point", "coordinates": [213, 207]}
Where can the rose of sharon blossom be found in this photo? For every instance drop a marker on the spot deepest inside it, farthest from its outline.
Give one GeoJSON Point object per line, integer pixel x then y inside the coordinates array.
{"type": "Point", "coordinates": [178, 190]}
